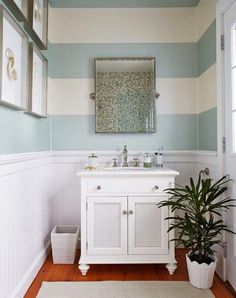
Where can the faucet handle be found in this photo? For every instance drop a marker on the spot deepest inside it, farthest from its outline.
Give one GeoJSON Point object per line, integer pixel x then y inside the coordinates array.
{"type": "Point", "coordinates": [114, 162]}
{"type": "Point", "coordinates": [136, 162]}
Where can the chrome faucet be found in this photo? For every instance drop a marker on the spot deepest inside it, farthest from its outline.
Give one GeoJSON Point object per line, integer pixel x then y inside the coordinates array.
{"type": "Point", "coordinates": [125, 157]}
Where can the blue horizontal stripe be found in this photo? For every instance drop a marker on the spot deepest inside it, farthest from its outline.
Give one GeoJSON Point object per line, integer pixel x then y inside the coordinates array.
{"type": "Point", "coordinates": [174, 132]}
{"type": "Point", "coordinates": [122, 3]}
{"type": "Point", "coordinates": [206, 49]}
{"type": "Point", "coordinates": [20, 133]}
{"type": "Point", "coordinates": [173, 60]}
{"type": "Point", "coordinates": [208, 130]}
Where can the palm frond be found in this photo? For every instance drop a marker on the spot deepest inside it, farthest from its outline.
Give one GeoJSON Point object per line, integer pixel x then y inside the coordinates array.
{"type": "Point", "coordinates": [199, 222]}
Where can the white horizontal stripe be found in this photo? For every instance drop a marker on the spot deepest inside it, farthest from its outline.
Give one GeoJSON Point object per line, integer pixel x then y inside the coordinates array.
{"type": "Point", "coordinates": [205, 15]}
{"type": "Point", "coordinates": [71, 96]}
{"type": "Point", "coordinates": [207, 97]}
{"type": "Point", "coordinates": [117, 25]}
{"type": "Point", "coordinates": [178, 96]}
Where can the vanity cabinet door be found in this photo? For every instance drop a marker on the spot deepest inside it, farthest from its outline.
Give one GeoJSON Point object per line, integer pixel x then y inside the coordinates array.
{"type": "Point", "coordinates": [107, 225]}
{"type": "Point", "coordinates": [147, 227]}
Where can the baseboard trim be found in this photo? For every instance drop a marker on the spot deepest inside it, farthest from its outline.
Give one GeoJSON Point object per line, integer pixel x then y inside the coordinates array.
{"type": "Point", "coordinates": [31, 273]}
{"type": "Point", "coordinates": [230, 288]}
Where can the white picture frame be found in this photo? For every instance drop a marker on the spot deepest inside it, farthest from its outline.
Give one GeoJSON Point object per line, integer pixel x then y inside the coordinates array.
{"type": "Point", "coordinates": [34, 15]}
{"type": "Point", "coordinates": [38, 22]}
{"type": "Point", "coordinates": [37, 83]}
{"type": "Point", "coordinates": [14, 63]}
{"type": "Point", "coordinates": [19, 8]}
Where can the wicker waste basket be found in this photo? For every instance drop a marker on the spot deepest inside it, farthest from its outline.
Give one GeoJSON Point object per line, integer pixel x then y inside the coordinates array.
{"type": "Point", "coordinates": [64, 241]}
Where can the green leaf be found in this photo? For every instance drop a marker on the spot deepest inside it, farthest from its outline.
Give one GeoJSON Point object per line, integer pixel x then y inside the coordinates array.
{"type": "Point", "coordinates": [199, 219]}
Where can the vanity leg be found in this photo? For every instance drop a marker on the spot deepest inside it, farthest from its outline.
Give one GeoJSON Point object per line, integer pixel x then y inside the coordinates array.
{"type": "Point", "coordinates": [171, 267]}
{"type": "Point", "coordinates": [83, 268]}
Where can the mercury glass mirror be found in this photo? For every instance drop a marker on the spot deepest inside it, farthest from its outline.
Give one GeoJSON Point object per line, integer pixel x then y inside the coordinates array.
{"type": "Point", "coordinates": [125, 95]}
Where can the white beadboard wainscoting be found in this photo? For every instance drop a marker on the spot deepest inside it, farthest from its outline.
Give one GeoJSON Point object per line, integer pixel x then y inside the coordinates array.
{"type": "Point", "coordinates": [25, 219]}
{"type": "Point", "coordinates": [40, 190]}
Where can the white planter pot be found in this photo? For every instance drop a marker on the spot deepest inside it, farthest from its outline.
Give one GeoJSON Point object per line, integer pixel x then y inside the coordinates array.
{"type": "Point", "coordinates": [201, 275]}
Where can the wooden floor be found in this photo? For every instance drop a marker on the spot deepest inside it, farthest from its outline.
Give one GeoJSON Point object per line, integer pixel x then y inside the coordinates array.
{"type": "Point", "coordinates": [51, 272]}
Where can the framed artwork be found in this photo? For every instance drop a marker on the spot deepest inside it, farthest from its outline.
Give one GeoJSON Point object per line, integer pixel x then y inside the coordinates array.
{"type": "Point", "coordinates": [34, 15]}
{"type": "Point", "coordinates": [37, 78]}
{"type": "Point", "coordinates": [37, 27]}
{"type": "Point", "coordinates": [19, 8]}
{"type": "Point", "coordinates": [13, 63]}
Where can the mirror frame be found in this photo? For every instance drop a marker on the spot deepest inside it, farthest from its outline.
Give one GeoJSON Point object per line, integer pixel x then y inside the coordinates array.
{"type": "Point", "coordinates": [93, 95]}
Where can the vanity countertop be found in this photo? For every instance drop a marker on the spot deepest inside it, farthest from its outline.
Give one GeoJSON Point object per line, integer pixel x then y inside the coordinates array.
{"type": "Point", "coordinates": [121, 172]}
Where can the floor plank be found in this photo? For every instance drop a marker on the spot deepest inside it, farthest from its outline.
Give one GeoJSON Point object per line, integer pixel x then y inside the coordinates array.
{"type": "Point", "coordinates": [51, 272]}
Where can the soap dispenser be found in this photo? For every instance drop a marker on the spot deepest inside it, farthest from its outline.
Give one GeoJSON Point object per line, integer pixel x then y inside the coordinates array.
{"type": "Point", "coordinates": [147, 160]}
{"type": "Point", "coordinates": [159, 158]}
{"type": "Point", "coordinates": [93, 161]}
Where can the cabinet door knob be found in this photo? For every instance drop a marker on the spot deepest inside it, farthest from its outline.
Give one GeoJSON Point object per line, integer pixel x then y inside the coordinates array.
{"type": "Point", "coordinates": [99, 187]}
{"type": "Point", "coordinates": [156, 187]}
{"type": "Point", "coordinates": [131, 212]}
{"type": "Point", "coordinates": [125, 212]}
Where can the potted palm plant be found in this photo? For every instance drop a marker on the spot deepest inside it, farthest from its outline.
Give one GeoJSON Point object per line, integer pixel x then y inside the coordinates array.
{"type": "Point", "coordinates": [199, 224]}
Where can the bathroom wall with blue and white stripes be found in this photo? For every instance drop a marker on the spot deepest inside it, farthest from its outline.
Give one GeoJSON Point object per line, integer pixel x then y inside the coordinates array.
{"type": "Point", "coordinates": [183, 40]}
{"type": "Point", "coordinates": [180, 34]}
{"type": "Point", "coordinates": [206, 81]}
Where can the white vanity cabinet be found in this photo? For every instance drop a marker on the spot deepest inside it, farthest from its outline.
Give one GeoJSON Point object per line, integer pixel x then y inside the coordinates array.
{"type": "Point", "coordinates": [120, 220]}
